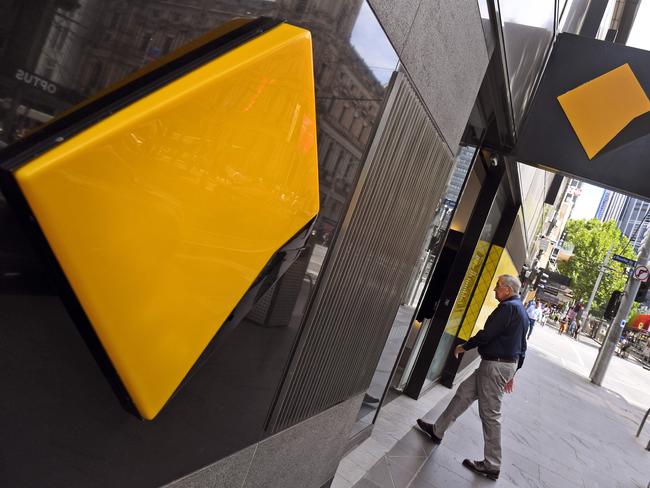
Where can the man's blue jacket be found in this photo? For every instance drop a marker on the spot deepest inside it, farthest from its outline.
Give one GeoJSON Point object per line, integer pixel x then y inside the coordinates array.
{"type": "Point", "coordinates": [504, 334]}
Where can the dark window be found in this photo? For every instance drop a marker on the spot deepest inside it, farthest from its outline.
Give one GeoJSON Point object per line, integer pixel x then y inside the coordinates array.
{"type": "Point", "coordinates": [95, 73]}
{"type": "Point", "coordinates": [63, 34]}
{"type": "Point", "coordinates": [167, 45]}
{"type": "Point", "coordinates": [144, 43]}
{"type": "Point", "coordinates": [56, 32]}
{"type": "Point", "coordinates": [115, 20]}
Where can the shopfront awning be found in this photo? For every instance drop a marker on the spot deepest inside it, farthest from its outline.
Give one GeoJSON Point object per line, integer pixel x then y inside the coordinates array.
{"type": "Point", "coordinates": [639, 322]}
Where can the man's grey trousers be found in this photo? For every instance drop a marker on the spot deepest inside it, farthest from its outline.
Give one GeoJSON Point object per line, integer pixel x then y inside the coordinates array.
{"type": "Point", "coordinates": [485, 385]}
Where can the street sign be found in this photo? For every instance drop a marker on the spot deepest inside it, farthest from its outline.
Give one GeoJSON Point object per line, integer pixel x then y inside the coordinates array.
{"type": "Point", "coordinates": [625, 261]}
{"type": "Point", "coordinates": [641, 273]}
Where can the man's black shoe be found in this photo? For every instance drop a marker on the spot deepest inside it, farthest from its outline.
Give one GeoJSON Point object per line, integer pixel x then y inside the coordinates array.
{"type": "Point", "coordinates": [370, 399]}
{"type": "Point", "coordinates": [479, 468]}
{"type": "Point", "coordinates": [427, 428]}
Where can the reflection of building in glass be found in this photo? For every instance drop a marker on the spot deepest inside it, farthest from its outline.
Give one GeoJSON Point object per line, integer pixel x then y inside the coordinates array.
{"type": "Point", "coordinates": [463, 162]}
{"type": "Point", "coordinates": [86, 45]}
{"type": "Point", "coordinates": [28, 97]}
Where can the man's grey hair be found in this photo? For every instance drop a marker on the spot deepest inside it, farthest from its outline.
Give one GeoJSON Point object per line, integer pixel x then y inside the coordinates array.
{"type": "Point", "coordinates": [512, 282]}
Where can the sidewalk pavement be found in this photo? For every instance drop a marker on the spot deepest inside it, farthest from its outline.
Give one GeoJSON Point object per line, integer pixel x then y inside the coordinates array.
{"type": "Point", "coordinates": [559, 430]}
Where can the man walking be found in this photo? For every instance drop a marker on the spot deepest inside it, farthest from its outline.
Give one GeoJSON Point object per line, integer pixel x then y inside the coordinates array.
{"type": "Point", "coordinates": [534, 317]}
{"type": "Point", "coordinates": [502, 346]}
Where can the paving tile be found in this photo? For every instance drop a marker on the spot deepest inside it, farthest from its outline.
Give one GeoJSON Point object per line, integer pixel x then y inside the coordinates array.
{"type": "Point", "coordinates": [339, 482]}
{"type": "Point", "coordinates": [467, 444]}
{"type": "Point", "coordinates": [603, 480]}
{"type": "Point", "coordinates": [350, 471]}
{"type": "Point", "coordinates": [372, 447]}
{"type": "Point", "coordinates": [363, 459]}
{"type": "Point", "coordinates": [550, 479]}
{"type": "Point", "coordinates": [559, 430]}
{"type": "Point", "coordinates": [380, 474]}
{"type": "Point", "coordinates": [440, 478]}
{"type": "Point", "coordinates": [366, 483]}
{"type": "Point", "coordinates": [519, 477]}
{"type": "Point", "coordinates": [414, 443]}
{"type": "Point", "coordinates": [404, 469]}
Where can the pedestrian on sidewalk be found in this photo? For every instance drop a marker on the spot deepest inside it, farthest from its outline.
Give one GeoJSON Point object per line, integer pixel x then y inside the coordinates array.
{"type": "Point", "coordinates": [502, 346]}
{"type": "Point", "coordinates": [568, 320]}
{"type": "Point", "coordinates": [530, 311]}
{"type": "Point", "coordinates": [546, 313]}
{"type": "Point", "coordinates": [572, 327]}
{"type": "Point", "coordinates": [534, 318]}
{"type": "Point", "coordinates": [576, 329]}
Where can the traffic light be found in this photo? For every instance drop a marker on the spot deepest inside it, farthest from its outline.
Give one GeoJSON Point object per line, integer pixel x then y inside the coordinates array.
{"type": "Point", "coordinates": [612, 305]}
{"type": "Point", "coordinates": [642, 293]}
{"type": "Point", "coordinates": [542, 279]}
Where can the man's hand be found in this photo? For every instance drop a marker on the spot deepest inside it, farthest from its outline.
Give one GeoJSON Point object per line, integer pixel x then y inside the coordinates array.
{"type": "Point", "coordinates": [459, 349]}
{"type": "Point", "coordinates": [509, 386]}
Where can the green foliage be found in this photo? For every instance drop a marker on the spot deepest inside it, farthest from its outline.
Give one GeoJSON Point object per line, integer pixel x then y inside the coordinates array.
{"type": "Point", "coordinates": [633, 311]}
{"type": "Point", "coordinates": [592, 238]}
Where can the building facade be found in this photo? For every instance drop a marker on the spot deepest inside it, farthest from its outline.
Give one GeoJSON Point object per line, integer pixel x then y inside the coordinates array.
{"type": "Point", "coordinates": [417, 106]}
{"type": "Point", "coordinates": [631, 215]}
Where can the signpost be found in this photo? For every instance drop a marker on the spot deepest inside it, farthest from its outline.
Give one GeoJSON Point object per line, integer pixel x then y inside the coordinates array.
{"type": "Point", "coordinates": [614, 332]}
{"type": "Point", "coordinates": [641, 273]}
{"type": "Point", "coordinates": [624, 260]}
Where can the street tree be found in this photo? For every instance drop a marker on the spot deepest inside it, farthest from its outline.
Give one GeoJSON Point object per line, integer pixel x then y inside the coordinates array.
{"type": "Point", "coordinates": [591, 240]}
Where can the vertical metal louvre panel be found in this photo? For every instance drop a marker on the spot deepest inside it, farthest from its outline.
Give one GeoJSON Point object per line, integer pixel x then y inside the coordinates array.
{"type": "Point", "coordinates": [405, 174]}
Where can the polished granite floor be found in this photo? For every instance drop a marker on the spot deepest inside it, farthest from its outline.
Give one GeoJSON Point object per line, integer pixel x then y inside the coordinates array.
{"type": "Point", "coordinates": [559, 430]}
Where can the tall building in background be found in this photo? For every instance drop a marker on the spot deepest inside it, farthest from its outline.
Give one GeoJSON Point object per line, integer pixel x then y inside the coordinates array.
{"type": "Point", "coordinates": [634, 220]}
{"type": "Point", "coordinates": [611, 206]}
{"type": "Point", "coordinates": [631, 215]}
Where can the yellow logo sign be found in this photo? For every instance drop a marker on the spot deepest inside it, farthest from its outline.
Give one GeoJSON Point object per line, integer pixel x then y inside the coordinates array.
{"type": "Point", "coordinates": [601, 108]}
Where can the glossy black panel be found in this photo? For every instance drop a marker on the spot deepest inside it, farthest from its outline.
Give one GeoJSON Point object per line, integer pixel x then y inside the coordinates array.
{"type": "Point", "coordinates": [68, 427]}
{"type": "Point", "coordinates": [21, 268]}
{"type": "Point", "coordinates": [619, 164]}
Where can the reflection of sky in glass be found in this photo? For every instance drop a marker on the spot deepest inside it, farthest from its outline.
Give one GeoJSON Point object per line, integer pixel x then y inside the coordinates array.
{"type": "Point", "coordinates": [536, 13]}
{"type": "Point", "coordinates": [564, 14]}
{"type": "Point", "coordinates": [640, 32]}
{"type": "Point", "coordinates": [483, 9]}
{"type": "Point", "coordinates": [372, 45]}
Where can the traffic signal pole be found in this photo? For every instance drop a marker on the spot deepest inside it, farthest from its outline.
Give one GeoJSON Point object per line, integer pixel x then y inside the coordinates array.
{"type": "Point", "coordinates": [603, 267]}
{"type": "Point", "coordinates": [614, 331]}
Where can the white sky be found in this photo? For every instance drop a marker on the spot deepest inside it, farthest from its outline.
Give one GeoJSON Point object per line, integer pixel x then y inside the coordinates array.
{"type": "Point", "coordinates": [640, 33]}
{"type": "Point", "coordinates": [587, 203]}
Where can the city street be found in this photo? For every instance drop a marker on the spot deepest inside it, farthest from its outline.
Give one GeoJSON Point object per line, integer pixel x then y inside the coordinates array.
{"type": "Point", "coordinates": [624, 376]}
{"type": "Point", "coordinates": [559, 430]}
